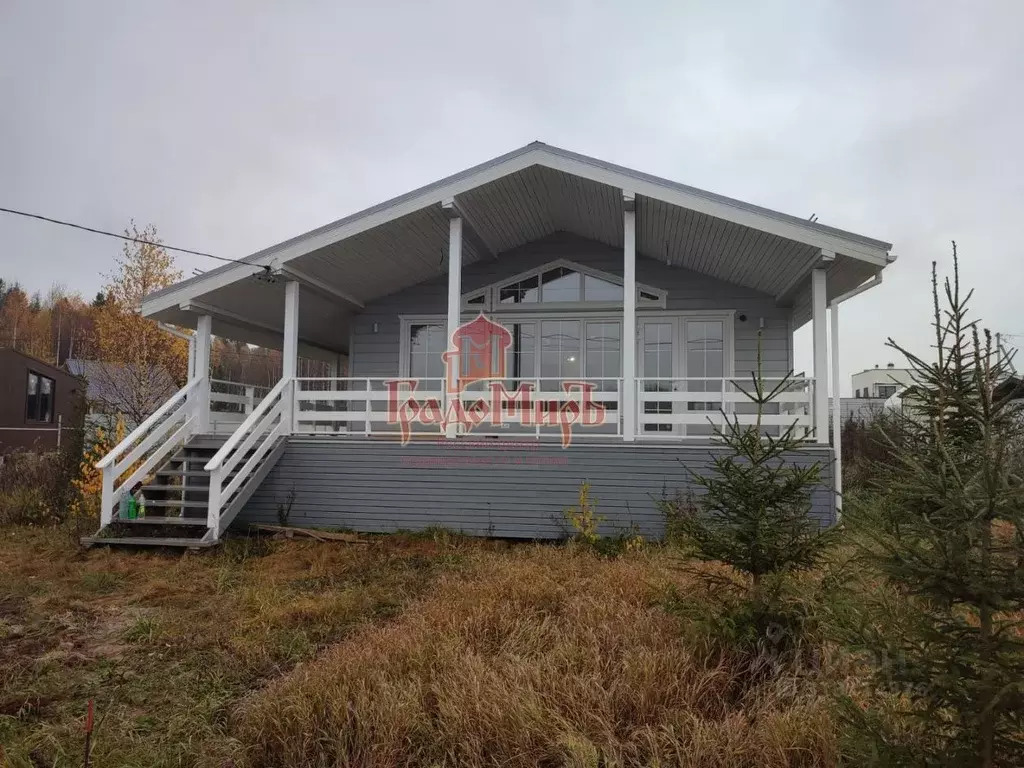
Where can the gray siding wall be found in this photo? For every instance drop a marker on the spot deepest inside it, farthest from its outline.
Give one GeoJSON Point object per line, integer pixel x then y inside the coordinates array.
{"type": "Point", "coordinates": [487, 487]}
{"type": "Point", "coordinates": [377, 354]}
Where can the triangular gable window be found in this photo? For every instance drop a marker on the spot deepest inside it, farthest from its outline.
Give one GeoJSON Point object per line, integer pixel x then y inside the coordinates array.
{"type": "Point", "coordinates": [560, 283]}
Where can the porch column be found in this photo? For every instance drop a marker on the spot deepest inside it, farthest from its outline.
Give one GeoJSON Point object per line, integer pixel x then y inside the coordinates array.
{"type": "Point", "coordinates": [290, 351]}
{"type": "Point", "coordinates": [820, 335]}
{"type": "Point", "coordinates": [191, 357]}
{"type": "Point", "coordinates": [201, 368]}
{"type": "Point", "coordinates": [454, 298]}
{"type": "Point", "coordinates": [628, 406]}
{"type": "Point", "coordinates": [837, 419]}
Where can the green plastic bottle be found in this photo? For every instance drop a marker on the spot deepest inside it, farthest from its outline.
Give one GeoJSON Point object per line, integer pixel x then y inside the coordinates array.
{"type": "Point", "coordinates": [133, 508]}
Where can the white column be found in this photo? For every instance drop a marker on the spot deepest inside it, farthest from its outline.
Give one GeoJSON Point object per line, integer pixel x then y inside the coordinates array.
{"type": "Point", "coordinates": [191, 357]}
{"type": "Point", "coordinates": [290, 351]}
{"type": "Point", "coordinates": [820, 335]}
{"type": "Point", "coordinates": [201, 369]}
{"type": "Point", "coordinates": [454, 290]}
{"type": "Point", "coordinates": [837, 419]}
{"type": "Point", "coordinates": [628, 406]}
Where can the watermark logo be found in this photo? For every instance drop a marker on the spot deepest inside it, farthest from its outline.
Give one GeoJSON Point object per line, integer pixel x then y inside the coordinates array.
{"type": "Point", "coordinates": [476, 357]}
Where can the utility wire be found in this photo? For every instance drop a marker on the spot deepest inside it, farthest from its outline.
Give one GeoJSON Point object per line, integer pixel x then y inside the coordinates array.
{"type": "Point", "coordinates": [124, 237]}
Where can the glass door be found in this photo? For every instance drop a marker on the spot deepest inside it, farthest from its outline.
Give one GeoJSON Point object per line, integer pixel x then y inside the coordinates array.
{"type": "Point", "coordinates": [657, 369]}
{"type": "Point", "coordinates": [705, 367]}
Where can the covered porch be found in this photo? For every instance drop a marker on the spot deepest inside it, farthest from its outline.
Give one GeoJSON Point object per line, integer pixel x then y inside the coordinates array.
{"type": "Point", "coordinates": [649, 302]}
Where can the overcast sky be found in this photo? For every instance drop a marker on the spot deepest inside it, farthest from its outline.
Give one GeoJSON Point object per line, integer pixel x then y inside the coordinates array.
{"type": "Point", "coordinates": [232, 126]}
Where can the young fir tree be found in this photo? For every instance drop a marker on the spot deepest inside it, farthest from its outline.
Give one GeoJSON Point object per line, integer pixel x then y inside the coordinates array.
{"type": "Point", "coordinates": [944, 533]}
{"type": "Point", "coordinates": [755, 511]}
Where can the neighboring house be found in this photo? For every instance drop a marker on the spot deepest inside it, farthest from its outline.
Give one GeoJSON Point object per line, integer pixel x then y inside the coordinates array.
{"type": "Point", "coordinates": [871, 389]}
{"type": "Point", "coordinates": [881, 382]}
{"type": "Point", "coordinates": [114, 390]}
{"type": "Point", "coordinates": [610, 297]}
{"type": "Point", "coordinates": [38, 402]}
{"type": "Point", "coordinates": [1010, 388]}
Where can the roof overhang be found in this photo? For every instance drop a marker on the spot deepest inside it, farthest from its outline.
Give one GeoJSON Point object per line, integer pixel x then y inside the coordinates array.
{"type": "Point", "coordinates": [506, 202]}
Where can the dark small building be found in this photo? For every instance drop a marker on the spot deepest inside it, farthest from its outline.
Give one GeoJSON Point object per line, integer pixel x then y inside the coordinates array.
{"type": "Point", "coordinates": [35, 398]}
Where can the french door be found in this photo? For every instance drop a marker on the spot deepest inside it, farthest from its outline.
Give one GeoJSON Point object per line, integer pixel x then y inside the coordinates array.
{"type": "Point", "coordinates": [657, 364]}
{"type": "Point", "coordinates": [680, 354]}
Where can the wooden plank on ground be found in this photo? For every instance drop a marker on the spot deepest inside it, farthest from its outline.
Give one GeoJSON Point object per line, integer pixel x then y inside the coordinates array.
{"type": "Point", "coordinates": [289, 531]}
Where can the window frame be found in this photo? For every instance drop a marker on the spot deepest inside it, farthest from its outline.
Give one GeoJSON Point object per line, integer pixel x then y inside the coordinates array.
{"type": "Point", "coordinates": [491, 302]}
{"type": "Point", "coordinates": [34, 417]}
{"type": "Point", "coordinates": [887, 389]}
{"type": "Point", "coordinates": [677, 317]}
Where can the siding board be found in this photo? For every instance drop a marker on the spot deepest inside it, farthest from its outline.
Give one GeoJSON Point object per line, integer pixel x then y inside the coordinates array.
{"type": "Point", "coordinates": [381, 486]}
{"type": "Point", "coordinates": [377, 354]}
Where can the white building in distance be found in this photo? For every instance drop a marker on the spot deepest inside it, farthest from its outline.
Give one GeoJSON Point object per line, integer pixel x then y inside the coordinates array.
{"type": "Point", "coordinates": [881, 382]}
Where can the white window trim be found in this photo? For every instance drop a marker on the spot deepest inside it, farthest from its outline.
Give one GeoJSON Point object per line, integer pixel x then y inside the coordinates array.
{"type": "Point", "coordinates": [726, 316]}
{"type": "Point", "coordinates": [405, 341]}
{"type": "Point", "coordinates": [491, 303]}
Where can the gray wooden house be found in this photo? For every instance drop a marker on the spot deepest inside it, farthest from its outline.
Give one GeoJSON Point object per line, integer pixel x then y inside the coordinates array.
{"type": "Point", "coordinates": [496, 339]}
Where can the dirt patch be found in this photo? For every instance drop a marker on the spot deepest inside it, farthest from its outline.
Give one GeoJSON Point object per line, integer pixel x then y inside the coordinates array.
{"type": "Point", "coordinates": [182, 637]}
{"type": "Point", "coordinates": [11, 607]}
{"type": "Point", "coordinates": [25, 707]}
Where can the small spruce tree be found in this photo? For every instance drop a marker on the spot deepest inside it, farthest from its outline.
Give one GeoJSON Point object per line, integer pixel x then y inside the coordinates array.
{"type": "Point", "coordinates": [755, 510]}
{"type": "Point", "coordinates": [943, 531]}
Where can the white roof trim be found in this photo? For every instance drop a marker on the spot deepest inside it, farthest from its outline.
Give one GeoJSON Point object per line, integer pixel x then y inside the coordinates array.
{"type": "Point", "coordinates": [537, 153]}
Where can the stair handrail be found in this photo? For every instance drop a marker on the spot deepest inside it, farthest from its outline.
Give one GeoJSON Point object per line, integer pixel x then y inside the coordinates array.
{"type": "Point", "coordinates": [145, 426]}
{"type": "Point", "coordinates": [147, 445]}
{"type": "Point", "coordinates": [246, 426]}
{"type": "Point", "coordinates": [259, 424]}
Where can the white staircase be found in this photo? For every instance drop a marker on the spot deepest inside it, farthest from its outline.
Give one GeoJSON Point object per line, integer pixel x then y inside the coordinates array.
{"type": "Point", "coordinates": [194, 483]}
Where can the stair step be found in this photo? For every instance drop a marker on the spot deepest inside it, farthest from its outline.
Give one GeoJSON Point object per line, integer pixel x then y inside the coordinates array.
{"type": "Point", "coordinates": [177, 503]}
{"type": "Point", "coordinates": [141, 541]}
{"type": "Point", "coordinates": [164, 521]}
{"type": "Point", "coordinates": [212, 444]}
{"type": "Point", "coordinates": [181, 473]}
{"type": "Point", "coordinates": [165, 488]}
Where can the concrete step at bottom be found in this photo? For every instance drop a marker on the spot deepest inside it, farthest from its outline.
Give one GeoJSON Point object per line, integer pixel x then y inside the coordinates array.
{"type": "Point", "coordinates": [142, 541]}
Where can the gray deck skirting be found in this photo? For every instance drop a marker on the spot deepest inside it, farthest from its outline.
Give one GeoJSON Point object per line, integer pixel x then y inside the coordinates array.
{"type": "Point", "coordinates": [487, 487]}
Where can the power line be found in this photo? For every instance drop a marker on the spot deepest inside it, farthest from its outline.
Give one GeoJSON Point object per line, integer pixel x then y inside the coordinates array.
{"type": "Point", "coordinates": [124, 237]}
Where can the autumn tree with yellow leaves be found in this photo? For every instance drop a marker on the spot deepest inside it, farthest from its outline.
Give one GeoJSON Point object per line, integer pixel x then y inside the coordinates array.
{"type": "Point", "coordinates": [143, 361]}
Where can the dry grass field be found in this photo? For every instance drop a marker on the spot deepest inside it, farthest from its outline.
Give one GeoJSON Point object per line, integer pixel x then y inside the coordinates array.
{"type": "Point", "coordinates": [432, 650]}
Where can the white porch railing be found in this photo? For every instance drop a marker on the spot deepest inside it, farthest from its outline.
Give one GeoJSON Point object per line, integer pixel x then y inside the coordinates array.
{"type": "Point", "coordinates": [692, 407]}
{"type": "Point", "coordinates": [665, 408]}
{"type": "Point", "coordinates": [147, 446]}
{"type": "Point", "coordinates": [361, 406]}
{"type": "Point", "coordinates": [231, 402]}
{"type": "Point", "coordinates": [250, 442]}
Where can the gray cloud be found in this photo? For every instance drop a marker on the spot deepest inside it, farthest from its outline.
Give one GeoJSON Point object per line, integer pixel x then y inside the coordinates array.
{"type": "Point", "coordinates": [236, 125]}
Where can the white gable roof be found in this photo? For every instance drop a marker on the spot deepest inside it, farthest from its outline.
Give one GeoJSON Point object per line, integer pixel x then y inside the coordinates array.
{"type": "Point", "coordinates": [525, 195]}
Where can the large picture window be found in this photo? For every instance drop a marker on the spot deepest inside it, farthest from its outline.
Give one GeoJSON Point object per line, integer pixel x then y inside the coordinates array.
{"type": "Point", "coordinates": [549, 350]}
{"type": "Point", "coordinates": [676, 352]}
{"type": "Point", "coordinates": [39, 397]}
{"type": "Point", "coordinates": [560, 351]}
{"type": "Point", "coordinates": [602, 356]}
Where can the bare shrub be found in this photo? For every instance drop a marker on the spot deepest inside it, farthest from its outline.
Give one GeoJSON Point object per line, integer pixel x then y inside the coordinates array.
{"type": "Point", "coordinates": [30, 488]}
